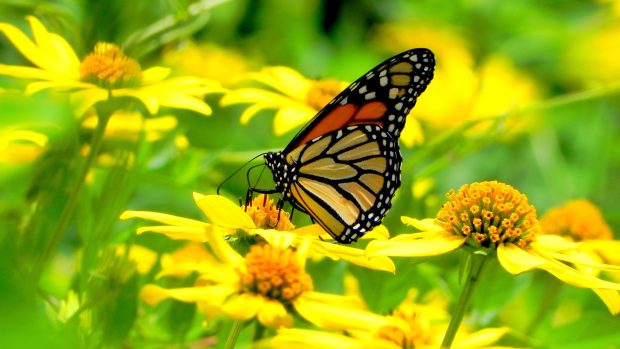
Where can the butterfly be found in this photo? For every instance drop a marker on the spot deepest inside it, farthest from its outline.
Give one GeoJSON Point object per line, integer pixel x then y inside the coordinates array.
{"type": "Point", "coordinates": [343, 167]}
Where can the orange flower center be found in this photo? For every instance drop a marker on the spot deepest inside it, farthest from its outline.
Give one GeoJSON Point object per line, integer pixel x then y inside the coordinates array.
{"type": "Point", "coordinates": [266, 215]}
{"type": "Point", "coordinates": [274, 273]}
{"type": "Point", "coordinates": [578, 219]}
{"type": "Point", "coordinates": [489, 213]}
{"type": "Point", "coordinates": [108, 67]}
{"type": "Point", "coordinates": [322, 92]}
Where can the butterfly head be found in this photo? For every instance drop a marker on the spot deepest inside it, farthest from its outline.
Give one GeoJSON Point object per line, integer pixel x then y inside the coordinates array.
{"type": "Point", "coordinates": [283, 173]}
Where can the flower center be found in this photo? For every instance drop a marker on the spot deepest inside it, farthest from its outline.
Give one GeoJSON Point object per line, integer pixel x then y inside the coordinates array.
{"type": "Point", "coordinates": [108, 67]}
{"type": "Point", "coordinates": [267, 215]}
{"type": "Point", "coordinates": [489, 213]}
{"type": "Point", "coordinates": [322, 92]}
{"type": "Point", "coordinates": [274, 273]}
{"type": "Point", "coordinates": [578, 219]}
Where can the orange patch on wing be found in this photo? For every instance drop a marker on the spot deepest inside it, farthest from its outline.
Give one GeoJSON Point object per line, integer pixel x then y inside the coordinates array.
{"type": "Point", "coordinates": [335, 120]}
{"type": "Point", "coordinates": [372, 111]}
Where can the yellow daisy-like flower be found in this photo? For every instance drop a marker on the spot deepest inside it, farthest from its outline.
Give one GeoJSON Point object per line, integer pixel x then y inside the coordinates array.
{"type": "Point", "coordinates": [296, 98]}
{"type": "Point", "coordinates": [461, 92]}
{"type": "Point", "coordinates": [259, 222]}
{"type": "Point", "coordinates": [20, 146]}
{"type": "Point", "coordinates": [103, 74]}
{"type": "Point", "coordinates": [269, 284]}
{"type": "Point", "coordinates": [411, 325]}
{"type": "Point", "coordinates": [493, 217]}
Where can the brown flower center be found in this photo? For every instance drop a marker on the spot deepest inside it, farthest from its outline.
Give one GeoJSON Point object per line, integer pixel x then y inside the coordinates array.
{"type": "Point", "coordinates": [578, 219]}
{"type": "Point", "coordinates": [274, 273]}
{"type": "Point", "coordinates": [322, 92]}
{"type": "Point", "coordinates": [489, 213]}
{"type": "Point", "coordinates": [266, 215]}
{"type": "Point", "coordinates": [108, 67]}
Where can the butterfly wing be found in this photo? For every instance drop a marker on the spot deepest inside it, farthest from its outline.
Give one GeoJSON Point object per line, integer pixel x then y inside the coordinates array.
{"type": "Point", "coordinates": [383, 96]}
{"type": "Point", "coordinates": [346, 179]}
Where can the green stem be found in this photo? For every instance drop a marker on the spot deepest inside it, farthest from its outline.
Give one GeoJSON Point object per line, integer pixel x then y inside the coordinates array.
{"type": "Point", "coordinates": [234, 334]}
{"type": "Point", "coordinates": [259, 331]}
{"type": "Point", "coordinates": [67, 213]}
{"type": "Point", "coordinates": [473, 274]}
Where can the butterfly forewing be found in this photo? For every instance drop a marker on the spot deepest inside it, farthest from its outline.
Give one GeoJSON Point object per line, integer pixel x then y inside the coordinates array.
{"type": "Point", "coordinates": [383, 96]}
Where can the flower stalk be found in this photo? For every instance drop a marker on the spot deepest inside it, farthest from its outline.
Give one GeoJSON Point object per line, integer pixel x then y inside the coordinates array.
{"type": "Point", "coordinates": [475, 268]}
{"type": "Point", "coordinates": [104, 113]}
{"type": "Point", "coordinates": [233, 334]}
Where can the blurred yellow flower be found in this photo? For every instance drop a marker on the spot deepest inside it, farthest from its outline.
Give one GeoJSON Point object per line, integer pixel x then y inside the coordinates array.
{"type": "Point", "coordinates": [18, 146]}
{"type": "Point", "coordinates": [582, 221]}
{"type": "Point", "coordinates": [411, 325]}
{"type": "Point", "coordinates": [103, 74]}
{"type": "Point", "coordinates": [266, 284]}
{"type": "Point", "coordinates": [259, 222]}
{"type": "Point", "coordinates": [129, 125]}
{"type": "Point", "coordinates": [494, 218]}
{"type": "Point", "coordinates": [588, 59]}
{"type": "Point", "coordinates": [461, 91]}
{"type": "Point", "coordinates": [206, 60]}
{"type": "Point", "coordinates": [296, 98]}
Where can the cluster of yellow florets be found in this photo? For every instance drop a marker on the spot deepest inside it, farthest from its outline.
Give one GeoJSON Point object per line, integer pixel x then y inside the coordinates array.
{"type": "Point", "coordinates": [108, 67]}
{"type": "Point", "coordinates": [578, 219]}
{"type": "Point", "coordinates": [322, 92]}
{"type": "Point", "coordinates": [267, 215]}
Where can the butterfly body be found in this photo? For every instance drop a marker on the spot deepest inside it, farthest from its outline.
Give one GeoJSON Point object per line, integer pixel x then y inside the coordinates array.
{"type": "Point", "coordinates": [343, 167]}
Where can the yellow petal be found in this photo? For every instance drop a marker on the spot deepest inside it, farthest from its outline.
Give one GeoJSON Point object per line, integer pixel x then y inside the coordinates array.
{"type": "Point", "coordinates": [273, 314]}
{"type": "Point", "coordinates": [354, 255]}
{"type": "Point", "coordinates": [244, 306]}
{"type": "Point", "coordinates": [154, 75]}
{"type": "Point", "coordinates": [223, 212]}
{"type": "Point", "coordinates": [84, 100]}
{"type": "Point", "coordinates": [215, 294]}
{"type": "Point", "coordinates": [314, 230]}
{"type": "Point", "coordinates": [282, 239]}
{"type": "Point", "coordinates": [328, 313]}
{"type": "Point", "coordinates": [313, 339]}
{"type": "Point", "coordinates": [284, 79]}
{"type": "Point", "coordinates": [164, 218]}
{"type": "Point", "coordinates": [555, 243]}
{"type": "Point", "coordinates": [427, 224]}
{"type": "Point", "coordinates": [480, 339]}
{"type": "Point", "coordinates": [177, 233]}
{"type": "Point", "coordinates": [415, 245]}
{"type": "Point", "coordinates": [222, 250]}
{"type": "Point", "coordinates": [149, 100]}
{"type": "Point", "coordinates": [516, 260]}
{"type": "Point", "coordinates": [24, 45]}
{"type": "Point", "coordinates": [611, 298]}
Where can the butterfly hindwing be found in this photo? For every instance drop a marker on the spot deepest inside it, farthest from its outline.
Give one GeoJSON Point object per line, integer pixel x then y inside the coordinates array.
{"type": "Point", "coordinates": [345, 180]}
{"type": "Point", "coordinates": [383, 96]}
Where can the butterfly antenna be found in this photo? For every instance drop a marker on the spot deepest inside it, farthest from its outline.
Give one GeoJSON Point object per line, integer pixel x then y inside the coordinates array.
{"type": "Point", "coordinates": [237, 171]}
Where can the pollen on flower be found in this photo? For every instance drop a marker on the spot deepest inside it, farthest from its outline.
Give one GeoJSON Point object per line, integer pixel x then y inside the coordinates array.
{"type": "Point", "coordinates": [577, 219]}
{"type": "Point", "coordinates": [107, 66]}
{"type": "Point", "coordinates": [490, 213]}
{"type": "Point", "coordinates": [274, 273]}
{"type": "Point", "coordinates": [267, 215]}
{"type": "Point", "coordinates": [322, 92]}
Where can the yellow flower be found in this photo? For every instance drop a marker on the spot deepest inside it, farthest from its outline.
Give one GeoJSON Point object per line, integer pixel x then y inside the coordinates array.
{"type": "Point", "coordinates": [460, 91]}
{"type": "Point", "coordinates": [582, 221]}
{"type": "Point", "coordinates": [206, 60]}
{"type": "Point", "coordinates": [266, 284]}
{"type": "Point", "coordinates": [104, 73]}
{"type": "Point", "coordinates": [493, 217]}
{"type": "Point", "coordinates": [411, 325]}
{"type": "Point", "coordinates": [129, 125]}
{"type": "Point", "coordinates": [296, 98]}
{"type": "Point", "coordinates": [258, 223]}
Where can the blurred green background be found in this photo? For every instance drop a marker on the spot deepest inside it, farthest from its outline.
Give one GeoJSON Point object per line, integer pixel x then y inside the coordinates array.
{"type": "Point", "coordinates": [525, 92]}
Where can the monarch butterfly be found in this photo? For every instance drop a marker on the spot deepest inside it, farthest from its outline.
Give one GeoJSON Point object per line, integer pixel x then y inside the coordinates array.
{"type": "Point", "coordinates": [343, 167]}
